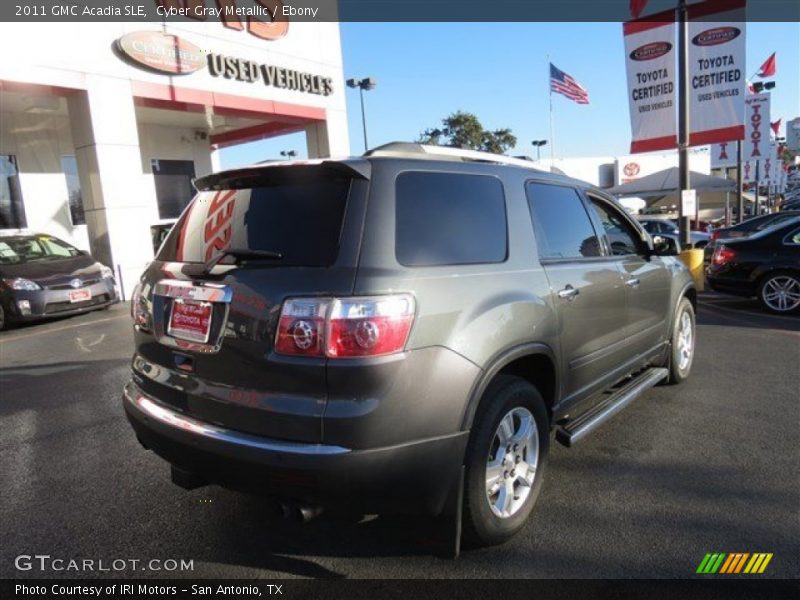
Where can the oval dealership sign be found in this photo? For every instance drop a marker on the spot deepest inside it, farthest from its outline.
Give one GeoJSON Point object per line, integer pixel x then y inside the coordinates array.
{"type": "Point", "coordinates": [161, 52]}
{"type": "Point", "coordinates": [651, 51]}
{"type": "Point", "coordinates": [717, 35]}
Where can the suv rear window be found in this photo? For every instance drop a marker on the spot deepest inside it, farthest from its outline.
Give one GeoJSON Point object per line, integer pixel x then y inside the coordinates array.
{"type": "Point", "coordinates": [449, 219]}
{"type": "Point", "coordinates": [302, 221]}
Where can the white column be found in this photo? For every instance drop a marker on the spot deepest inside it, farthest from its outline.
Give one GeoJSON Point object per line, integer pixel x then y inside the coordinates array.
{"type": "Point", "coordinates": [119, 205]}
{"type": "Point", "coordinates": [330, 137]}
{"type": "Point", "coordinates": [216, 163]}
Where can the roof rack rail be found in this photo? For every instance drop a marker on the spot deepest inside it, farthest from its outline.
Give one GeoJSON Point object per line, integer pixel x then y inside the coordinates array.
{"type": "Point", "coordinates": [400, 149]}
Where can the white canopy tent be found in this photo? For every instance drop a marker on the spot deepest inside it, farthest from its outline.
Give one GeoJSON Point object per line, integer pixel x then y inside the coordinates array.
{"type": "Point", "coordinates": [661, 190]}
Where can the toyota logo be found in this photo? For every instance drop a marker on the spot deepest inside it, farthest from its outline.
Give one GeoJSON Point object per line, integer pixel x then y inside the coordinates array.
{"type": "Point", "coordinates": [76, 283]}
{"type": "Point", "coordinates": [631, 169]}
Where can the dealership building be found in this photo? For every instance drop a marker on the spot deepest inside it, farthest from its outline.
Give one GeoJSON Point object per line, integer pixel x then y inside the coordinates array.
{"type": "Point", "coordinates": [104, 125]}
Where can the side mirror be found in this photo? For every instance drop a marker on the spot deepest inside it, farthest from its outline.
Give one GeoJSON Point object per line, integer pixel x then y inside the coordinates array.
{"type": "Point", "coordinates": [665, 246]}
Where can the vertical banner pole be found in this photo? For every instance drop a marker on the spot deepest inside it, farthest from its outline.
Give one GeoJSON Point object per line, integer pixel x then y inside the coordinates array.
{"type": "Point", "coordinates": [739, 195]}
{"type": "Point", "coordinates": [756, 207]}
{"type": "Point", "coordinates": [683, 117]}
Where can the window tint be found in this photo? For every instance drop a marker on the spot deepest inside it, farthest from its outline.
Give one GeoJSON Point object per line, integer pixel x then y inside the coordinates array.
{"type": "Point", "coordinates": [621, 235]}
{"type": "Point", "coordinates": [449, 219]}
{"type": "Point", "coordinates": [302, 221]}
{"type": "Point", "coordinates": [561, 223]}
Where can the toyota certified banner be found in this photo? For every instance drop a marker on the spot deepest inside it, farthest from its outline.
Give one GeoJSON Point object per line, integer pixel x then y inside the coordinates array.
{"type": "Point", "coordinates": [756, 122]}
{"type": "Point", "coordinates": [716, 71]}
{"type": "Point", "coordinates": [651, 65]}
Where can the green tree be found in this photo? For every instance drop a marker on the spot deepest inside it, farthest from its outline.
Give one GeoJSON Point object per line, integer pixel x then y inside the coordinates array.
{"type": "Point", "coordinates": [464, 130]}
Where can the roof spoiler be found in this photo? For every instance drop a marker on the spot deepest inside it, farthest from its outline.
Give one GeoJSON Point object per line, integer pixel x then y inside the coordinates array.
{"type": "Point", "coordinates": [277, 172]}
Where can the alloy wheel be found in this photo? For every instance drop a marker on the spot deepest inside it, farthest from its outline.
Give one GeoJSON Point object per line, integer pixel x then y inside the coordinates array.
{"type": "Point", "coordinates": [512, 461]}
{"type": "Point", "coordinates": [781, 293]}
{"type": "Point", "coordinates": [685, 341]}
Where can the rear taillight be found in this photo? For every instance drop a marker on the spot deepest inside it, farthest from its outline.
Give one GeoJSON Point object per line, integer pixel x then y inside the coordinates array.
{"type": "Point", "coordinates": [345, 327]}
{"type": "Point", "coordinates": [723, 255]}
{"type": "Point", "coordinates": [714, 235]}
{"type": "Point", "coordinates": [140, 308]}
{"type": "Point", "coordinates": [301, 328]}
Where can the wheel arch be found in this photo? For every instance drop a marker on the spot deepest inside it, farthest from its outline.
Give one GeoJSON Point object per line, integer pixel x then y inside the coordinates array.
{"type": "Point", "coordinates": [535, 362]}
{"type": "Point", "coordinates": [763, 274]}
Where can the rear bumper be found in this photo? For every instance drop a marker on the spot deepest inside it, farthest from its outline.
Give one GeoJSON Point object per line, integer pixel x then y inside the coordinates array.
{"type": "Point", "coordinates": [407, 478]}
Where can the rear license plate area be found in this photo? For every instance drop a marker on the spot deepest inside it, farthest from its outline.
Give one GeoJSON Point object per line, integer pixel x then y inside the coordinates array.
{"type": "Point", "coordinates": [190, 320]}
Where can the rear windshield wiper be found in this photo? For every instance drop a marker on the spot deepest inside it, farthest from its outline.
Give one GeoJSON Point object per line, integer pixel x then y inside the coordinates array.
{"type": "Point", "coordinates": [243, 253]}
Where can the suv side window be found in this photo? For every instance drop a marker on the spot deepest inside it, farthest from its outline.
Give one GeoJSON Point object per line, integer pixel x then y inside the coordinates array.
{"type": "Point", "coordinates": [622, 237]}
{"type": "Point", "coordinates": [449, 219]}
{"type": "Point", "coordinates": [560, 221]}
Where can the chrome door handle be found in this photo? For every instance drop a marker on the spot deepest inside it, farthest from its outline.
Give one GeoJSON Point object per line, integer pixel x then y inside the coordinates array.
{"type": "Point", "coordinates": [568, 293]}
{"type": "Point", "coordinates": [633, 282]}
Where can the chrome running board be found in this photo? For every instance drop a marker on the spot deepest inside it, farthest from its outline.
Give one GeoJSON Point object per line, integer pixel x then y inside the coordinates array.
{"type": "Point", "coordinates": [576, 429]}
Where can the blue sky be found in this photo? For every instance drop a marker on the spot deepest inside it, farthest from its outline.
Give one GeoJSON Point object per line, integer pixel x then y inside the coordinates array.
{"type": "Point", "coordinates": [499, 72]}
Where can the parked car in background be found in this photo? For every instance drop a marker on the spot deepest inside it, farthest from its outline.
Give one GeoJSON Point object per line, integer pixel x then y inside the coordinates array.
{"type": "Point", "coordinates": [765, 265]}
{"type": "Point", "coordinates": [43, 276]}
{"type": "Point", "coordinates": [386, 331]}
{"type": "Point", "coordinates": [748, 228]}
{"type": "Point", "coordinates": [668, 228]}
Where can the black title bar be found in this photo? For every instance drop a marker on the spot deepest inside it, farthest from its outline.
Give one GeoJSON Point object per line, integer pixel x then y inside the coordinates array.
{"type": "Point", "coordinates": [359, 10]}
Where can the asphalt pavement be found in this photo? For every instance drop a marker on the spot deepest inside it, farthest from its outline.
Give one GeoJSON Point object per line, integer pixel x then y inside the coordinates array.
{"type": "Point", "coordinates": [712, 465]}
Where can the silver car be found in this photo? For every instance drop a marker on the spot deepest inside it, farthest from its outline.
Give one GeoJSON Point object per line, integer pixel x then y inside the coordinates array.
{"type": "Point", "coordinates": [43, 276]}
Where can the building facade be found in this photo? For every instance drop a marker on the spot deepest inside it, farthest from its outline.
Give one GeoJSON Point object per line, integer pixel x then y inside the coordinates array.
{"type": "Point", "coordinates": [104, 125]}
{"type": "Point", "coordinates": [793, 134]}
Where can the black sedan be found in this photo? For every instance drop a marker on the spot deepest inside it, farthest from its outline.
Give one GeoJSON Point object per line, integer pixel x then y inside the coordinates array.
{"type": "Point", "coordinates": [748, 228]}
{"type": "Point", "coordinates": [43, 276]}
{"type": "Point", "coordinates": [765, 264]}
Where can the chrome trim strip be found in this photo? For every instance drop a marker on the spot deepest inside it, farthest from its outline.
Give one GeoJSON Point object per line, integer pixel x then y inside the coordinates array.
{"type": "Point", "coordinates": [188, 290]}
{"type": "Point", "coordinates": [625, 397]}
{"type": "Point", "coordinates": [153, 409]}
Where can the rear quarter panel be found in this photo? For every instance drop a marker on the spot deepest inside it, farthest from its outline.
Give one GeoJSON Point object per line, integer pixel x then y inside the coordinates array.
{"type": "Point", "coordinates": [474, 311]}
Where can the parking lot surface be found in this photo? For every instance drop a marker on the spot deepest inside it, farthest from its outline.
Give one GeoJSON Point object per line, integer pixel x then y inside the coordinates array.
{"type": "Point", "coordinates": [709, 466]}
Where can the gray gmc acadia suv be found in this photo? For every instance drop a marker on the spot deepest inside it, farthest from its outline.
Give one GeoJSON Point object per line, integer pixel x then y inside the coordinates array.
{"type": "Point", "coordinates": [393, 331]}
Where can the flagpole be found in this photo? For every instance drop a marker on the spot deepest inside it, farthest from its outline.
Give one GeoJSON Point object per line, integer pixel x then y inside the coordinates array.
{"type": "Point", "coordinates": [552, 134]}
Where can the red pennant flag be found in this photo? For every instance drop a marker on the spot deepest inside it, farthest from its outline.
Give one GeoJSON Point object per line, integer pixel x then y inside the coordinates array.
{"type": "Point", "coordinates": [776, 126]}
{"type": "Point", "coordinates": [637, 6]}
{"type": "Point", "coordinates": [769, 67]}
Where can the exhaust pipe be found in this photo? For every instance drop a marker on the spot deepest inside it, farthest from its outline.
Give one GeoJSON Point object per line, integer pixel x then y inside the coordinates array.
{"type": "Point", "coordinates": [302, 513]}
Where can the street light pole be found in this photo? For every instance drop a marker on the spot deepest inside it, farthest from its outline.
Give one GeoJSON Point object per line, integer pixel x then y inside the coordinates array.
{"type": "Point", "coordinates": [363, 118]}
{"type": "Point", "coordinates": [367, 83]}
{"type": "Point", "coordinates": [538, 144]}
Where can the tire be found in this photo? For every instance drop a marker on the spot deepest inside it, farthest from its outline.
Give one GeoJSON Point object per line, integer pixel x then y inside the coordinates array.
{"type": "Point", "coordinates": [3, 318]}
{"type": "Point", "coordinates": [678, 364]}
{"type": "Point", "coordinates": [770, 288]}
{"type": "Point", "coordinates": [506, 395]}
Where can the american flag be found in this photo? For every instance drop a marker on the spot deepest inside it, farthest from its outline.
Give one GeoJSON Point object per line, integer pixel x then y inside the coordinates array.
{"type": "Point", "coordinates": [561, 83]}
